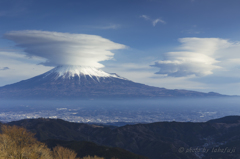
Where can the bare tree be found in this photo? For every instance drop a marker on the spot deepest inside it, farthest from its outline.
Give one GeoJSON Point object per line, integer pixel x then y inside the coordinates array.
{"type": "Point", "coordinates": [60, 152]}
{"type": "Point", "coordinates": [18, 143]}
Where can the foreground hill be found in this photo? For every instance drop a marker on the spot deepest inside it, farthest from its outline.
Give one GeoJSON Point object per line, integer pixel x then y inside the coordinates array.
{"type": "Point", "coordinates": [86, 82]}
{"type": "Point", "coordinates": [159, 140]}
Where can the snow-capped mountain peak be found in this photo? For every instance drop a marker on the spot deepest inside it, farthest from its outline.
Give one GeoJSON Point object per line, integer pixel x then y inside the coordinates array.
{"type": "Point", "coordinates": [70, 71]}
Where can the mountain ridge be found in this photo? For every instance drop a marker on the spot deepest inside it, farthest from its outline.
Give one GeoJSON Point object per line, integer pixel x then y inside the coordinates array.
{"type": "Point", "coordinates": [157, 140]}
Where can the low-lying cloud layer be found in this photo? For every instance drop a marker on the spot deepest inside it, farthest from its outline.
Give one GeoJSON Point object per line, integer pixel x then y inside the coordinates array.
{"type": "Point", "coordinates": [65, 48]}
{"type": "Point", "coordinates": [198, 57]}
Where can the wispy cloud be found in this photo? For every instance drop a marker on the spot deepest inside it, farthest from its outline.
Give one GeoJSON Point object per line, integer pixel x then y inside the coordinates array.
{"type": "Point", "coordinates": [11, 13]}
{"type": "Point", "coordinates": [112, 26]}
{"type": "Point", "coordinates": [158, 20]}
{"type": "Point", "coordinates": [15, 8]}
{"type": "Point", "coordinates": [4, 68]}
{"type": "Point", "coordinates": [191, 31]}
{"type": "Point", "coordinates": [154, 21]}
{"type": "Point", "coordinates": [145, 17]}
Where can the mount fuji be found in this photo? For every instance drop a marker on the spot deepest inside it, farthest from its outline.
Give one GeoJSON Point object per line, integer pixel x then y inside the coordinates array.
{"type": "Point", "coordinates": [77, 82]}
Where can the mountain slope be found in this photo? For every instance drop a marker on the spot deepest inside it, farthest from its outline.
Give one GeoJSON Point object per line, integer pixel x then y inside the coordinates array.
{"type": "Point", "coordinates": [86, 82]}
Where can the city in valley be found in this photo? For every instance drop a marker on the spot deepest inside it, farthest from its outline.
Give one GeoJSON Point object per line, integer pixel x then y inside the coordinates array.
{"type": "Point", "coordinates": [119, 113]}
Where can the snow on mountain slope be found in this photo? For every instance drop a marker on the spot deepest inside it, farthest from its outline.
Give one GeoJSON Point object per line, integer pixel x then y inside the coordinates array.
{"type": "Point", "coordinates": [70, 71]}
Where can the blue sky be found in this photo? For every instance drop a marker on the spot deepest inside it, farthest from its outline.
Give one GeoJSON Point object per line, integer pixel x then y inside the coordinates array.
{"type": "Point", "coordinates": [187, 44]}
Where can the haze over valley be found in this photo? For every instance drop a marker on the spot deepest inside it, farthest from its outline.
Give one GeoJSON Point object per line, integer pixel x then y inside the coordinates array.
{"type": "Point", "coordinates": [114, 112]}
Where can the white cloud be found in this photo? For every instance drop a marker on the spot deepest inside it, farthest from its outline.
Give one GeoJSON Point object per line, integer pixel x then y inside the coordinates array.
{"type": "Point", "coordinates": [65, 48]}
{"type": "Point", "coordinates": [154, 21]}
{"type": "Point", "coordinates": [198, 56]}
